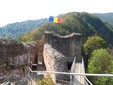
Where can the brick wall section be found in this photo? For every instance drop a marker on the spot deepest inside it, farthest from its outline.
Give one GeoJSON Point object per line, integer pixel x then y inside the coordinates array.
{"type": "Point", "coordinates": [58, 50]}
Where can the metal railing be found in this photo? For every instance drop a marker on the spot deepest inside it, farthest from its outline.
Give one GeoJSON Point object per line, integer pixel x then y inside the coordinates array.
{"type": "Point", "coordinates": [86, 80]}
{"type": "Point", "coordinates": [66, 73]}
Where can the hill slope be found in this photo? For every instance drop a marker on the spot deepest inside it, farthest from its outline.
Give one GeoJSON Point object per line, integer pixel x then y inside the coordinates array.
{"type": "Point", "coordinates": [84, 23]}
{"type": "Point", "coordinates": [107, 17]}
{"type": "Point", "coordinates": [16, 29]}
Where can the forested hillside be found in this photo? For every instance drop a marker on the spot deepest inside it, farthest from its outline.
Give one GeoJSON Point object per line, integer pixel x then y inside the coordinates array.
{"type": "Point", "coordinates": [71, 22]}
{"type": "Point", "coordinates": [107, 17]}
{"type": "Point", "coordinates": [16, 29]}
{"type": "Point", "coordinates": [84, 23]}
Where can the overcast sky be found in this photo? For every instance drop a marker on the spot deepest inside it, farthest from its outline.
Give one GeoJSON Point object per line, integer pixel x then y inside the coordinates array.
{"type": "Point", "coordinates": [21, 10]}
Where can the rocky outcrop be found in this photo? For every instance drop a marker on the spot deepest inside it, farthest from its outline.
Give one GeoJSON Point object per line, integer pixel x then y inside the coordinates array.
{"type": "Point", "coordinates": [15, 58]}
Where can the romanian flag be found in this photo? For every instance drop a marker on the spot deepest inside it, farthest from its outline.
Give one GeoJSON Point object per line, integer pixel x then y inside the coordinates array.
{"type": "Point", "coordinates": [54, 19]}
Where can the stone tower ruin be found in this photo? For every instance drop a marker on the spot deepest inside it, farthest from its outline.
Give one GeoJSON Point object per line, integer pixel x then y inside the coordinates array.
{"type": "Point", "coordinates": [60, 51]}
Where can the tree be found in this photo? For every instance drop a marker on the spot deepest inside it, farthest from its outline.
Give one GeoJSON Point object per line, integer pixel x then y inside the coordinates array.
{"type": "Point", "coordinates": [101, 62]}
{"type": "Point", "coordinates": [93, 43]}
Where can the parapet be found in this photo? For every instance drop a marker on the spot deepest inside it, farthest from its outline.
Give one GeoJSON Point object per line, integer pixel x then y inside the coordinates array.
{"type": "Point", "coordinates": [50, 35]}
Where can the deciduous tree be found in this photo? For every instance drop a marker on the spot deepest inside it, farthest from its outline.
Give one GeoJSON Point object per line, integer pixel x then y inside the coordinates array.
{"type": "Point", "coordinates": [101, 62]}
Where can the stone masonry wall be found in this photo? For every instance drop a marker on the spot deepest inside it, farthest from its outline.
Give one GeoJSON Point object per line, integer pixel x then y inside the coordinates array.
{"type": "Point", "coordinates": [53, 59]}
{"type": "Point", "coordinates": [58, 50]}
{"type": "Point", "coordinates": [70, 45]}
{"type": "Point", "coordinates": [14, 60]}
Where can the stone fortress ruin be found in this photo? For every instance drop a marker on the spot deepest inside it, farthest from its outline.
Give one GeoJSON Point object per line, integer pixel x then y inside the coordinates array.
{"type": "Point", "coordinates": [15, 58]}
{"type": "Point", "coordinates": [60, 51]}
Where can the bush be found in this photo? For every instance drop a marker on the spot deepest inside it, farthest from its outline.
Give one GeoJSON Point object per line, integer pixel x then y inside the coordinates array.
{"type": "Point", "coordinates": [46, 81]}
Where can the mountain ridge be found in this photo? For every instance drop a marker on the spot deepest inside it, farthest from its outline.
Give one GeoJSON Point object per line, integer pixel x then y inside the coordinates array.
{"type": "Point", "coordinates": [81, 22]}
{"type": "Point", "coordinates": [84, 23]}
{"type": "Point", "coordinates": [16, 29]}
{"type": "Point", "coordinates": [106, 17]}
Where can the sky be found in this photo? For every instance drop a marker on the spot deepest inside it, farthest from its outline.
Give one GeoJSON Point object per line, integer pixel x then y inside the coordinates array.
{"type": "Point", "coordinates": [20, 10]}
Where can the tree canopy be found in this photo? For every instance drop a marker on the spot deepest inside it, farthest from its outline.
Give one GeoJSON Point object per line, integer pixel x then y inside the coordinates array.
{"type": "Point", "coordinates": [93, 43]}
{"type": "Point", "coordinates": [101, 61]}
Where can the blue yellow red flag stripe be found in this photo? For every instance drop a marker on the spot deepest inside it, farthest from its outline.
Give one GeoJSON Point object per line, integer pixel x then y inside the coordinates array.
{"type": "Point", "coordinates": [54, 19]}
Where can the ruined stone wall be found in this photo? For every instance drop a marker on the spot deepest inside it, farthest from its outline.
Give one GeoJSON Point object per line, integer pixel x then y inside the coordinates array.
{"type": "Point", "coordinates": [58, 50]}
{"type": "Point", "coordinates": [70, 45]}
{"type": "Point", "coordinates": [14, 60]}
{"type": "Point", "coordinates": [30, 48]}
{"type": "Point", "coordinates": [53, 60]}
